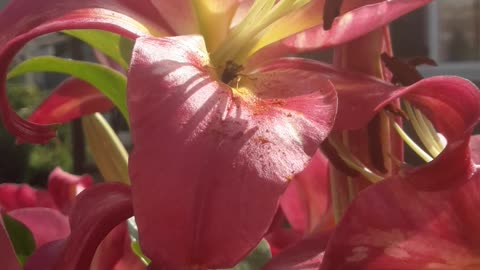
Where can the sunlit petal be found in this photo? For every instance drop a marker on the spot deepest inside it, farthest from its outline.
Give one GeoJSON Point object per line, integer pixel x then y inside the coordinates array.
{"type": "Point", "coordinates": [212, 159]}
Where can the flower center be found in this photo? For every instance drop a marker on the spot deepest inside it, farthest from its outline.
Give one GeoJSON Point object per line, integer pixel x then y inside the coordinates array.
{"type": "Point", "coordinates": [230, 72]}
{"type": "Point", "coordinates": [243, 37]}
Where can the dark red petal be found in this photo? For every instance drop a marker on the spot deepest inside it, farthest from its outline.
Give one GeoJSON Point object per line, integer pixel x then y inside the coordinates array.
{"type": "Point", "coordinates": [282, 238]}
{"type": "Point", "coordinates": [115, 252]}
{"type": "Point", "coordinates": [307, 199]}
{"type": "Point", "coordinates": [95, 213]}
{"type": "Point", "coordinates": [306, 254]}
{"type": "Point", "coordinates": [27, 19]}
{"type": "Point", "coordinates": [72, 99]}
{"type": "Point", "coordinates": [46, 224]}
{"type": "Point", "coordinates": [212, 162]}
{"type": "Point", "coordinates": [345, 28]}
{"type": "Point", "coordinates": [46, 256]}
{"type": "Point", "coordinates": [8, 258]}
{"type": "Point", "coordinates": [422, 218]}
{"type": "Point", "coordinates": [14, 196]}
{"type": "Point", "coordinates": [393, 225]}
{"type": "Point", "coordinates": [355, 107]}
{"type": "Point", "coordinates": [64, 187]}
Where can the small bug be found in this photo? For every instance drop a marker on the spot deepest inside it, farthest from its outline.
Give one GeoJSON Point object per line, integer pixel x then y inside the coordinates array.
{"type": "Point", "coordinates": [231, 71]}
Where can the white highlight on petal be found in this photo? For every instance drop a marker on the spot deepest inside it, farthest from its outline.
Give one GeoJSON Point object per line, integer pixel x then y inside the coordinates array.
{"type": "Point", "coordinates": [287, 131]}
{"type": "Point", "coordinates": [396, 252]}
{"type": "Point", "coordinates": [359, 253]}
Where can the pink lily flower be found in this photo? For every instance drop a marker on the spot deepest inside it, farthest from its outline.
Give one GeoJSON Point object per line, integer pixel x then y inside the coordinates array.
{"type": "Point", "coordinates": [160, 18]}
{"type": "Point", "coordinates": [45, 214]}
{"type": "Point", "coordinates": [424, 217]}
{"type": "Point", "coordinates": [219, 125]}
{"type": "Point", "coordinates": [421, 218]}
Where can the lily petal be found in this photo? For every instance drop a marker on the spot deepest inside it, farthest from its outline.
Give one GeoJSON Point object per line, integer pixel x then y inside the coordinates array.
{"type": "Point", "coordinates": [306, 200]}
{"type": "Point", "coordinates": [70, 100]}
{"type": "Point", "coordinates": [355, 106]}
{"type": "Point", "coordinates": [64, 187]}
{"type": "Point", "coordinates": [179, 15]}
{"type": "Point", "coordinates": [7, 253]}
{"type": "Point", "coordinates": [115, 252]}
{"type": "Point", "coordinates": [475, 147]}
{"type": "Point", "coordinates": [46, 256]}
{"type": "Point", "coordinates": [14, 196]}
{"type": "Point", "coordinates": [306, 254]}
{"type": "Point", "coordinates": [95, 213]}
{"type": "Point", "coordinates": [221, 159]}
{"type": "Point", "coordinates": [30, 19]}
{"type": "Point", "coordinates": [347, 27]}
{"type": "Point", "coordinates": [425, 217]}
{"type": "Point", "coordinates": [281, 239]}
{"type": "Point", "coordinates": [412, 229]}
{"type": "Point", "coordinates": [46, 224]}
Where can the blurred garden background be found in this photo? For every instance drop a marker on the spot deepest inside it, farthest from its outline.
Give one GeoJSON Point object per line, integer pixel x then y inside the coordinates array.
{"type": "Point", "coordinates": [447, 31]}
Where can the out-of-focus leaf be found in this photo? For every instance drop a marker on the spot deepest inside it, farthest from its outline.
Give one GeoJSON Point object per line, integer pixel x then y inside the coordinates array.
{"type": "Point", "coordinates": [111, 83]}
{"type": "Point", "coordinates": [21, 237]}
{"type": "Point", "coordinates": [114, 46]}
{"type": "Point", "coordinates": [106, 148]}
{"type": "Point", "coordinates": [257, 258]}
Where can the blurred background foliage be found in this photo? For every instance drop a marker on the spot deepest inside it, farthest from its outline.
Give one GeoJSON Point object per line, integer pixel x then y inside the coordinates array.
{"type": "Point", "coordinates": [31, 163]}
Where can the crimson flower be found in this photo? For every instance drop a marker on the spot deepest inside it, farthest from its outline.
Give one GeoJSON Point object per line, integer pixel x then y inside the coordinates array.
{"type": "Point", "coordinates": [45, 214]}
{"type": "Point", "coordinates": [219, 123]}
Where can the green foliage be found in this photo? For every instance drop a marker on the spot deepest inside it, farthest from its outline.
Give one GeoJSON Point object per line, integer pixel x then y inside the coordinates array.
{"type": "Point", "coordinates": [19, 163]}
{"type": "Point", "coordinates": [21, 237]}
{"type": "Point", "coordinates": [110, 82]}
{"type": "Point", "coordinates": [257, 258]}
{"type": "Point", "coordinates": [115, 46]}
{"type": "Point", "coordinates": [44, 158]}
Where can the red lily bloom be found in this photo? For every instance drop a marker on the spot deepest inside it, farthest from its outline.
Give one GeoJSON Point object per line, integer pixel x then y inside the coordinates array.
{"type": "Point", "coordinates": [218, 124]}
{"type": "Point", "coordinates": [425, 217]}
{"type": "Point", "coordinates": [45, 215]}
{"type": "Point", "coordinates": [160, 18]}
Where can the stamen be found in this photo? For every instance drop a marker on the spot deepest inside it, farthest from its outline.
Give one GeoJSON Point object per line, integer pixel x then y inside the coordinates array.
{"type": "Point", "coordinates": [245, 35]}
{"type": "Point", "coordinates": [354, 163]}
{"type": "Point", "coordinates": [425, 130]}
{"type": "Point", "coordinates": [417, 149]}
{"type": "Point", "coordinates": [428, 126]}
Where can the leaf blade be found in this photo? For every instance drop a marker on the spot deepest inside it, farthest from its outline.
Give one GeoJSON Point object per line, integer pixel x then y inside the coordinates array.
{"type": "Point", "coordinates": [111, 83]}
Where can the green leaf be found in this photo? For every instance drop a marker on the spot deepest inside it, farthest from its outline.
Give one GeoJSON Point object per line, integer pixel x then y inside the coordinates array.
{"type": "Point", "coordinates": [110, 82]}
{"type": "Point", "coordinates": [257, 258]}
{"type": "Point", "coordinates": [21, 237]}
{"type": "Point", "coordinates": [114, 46]}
